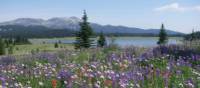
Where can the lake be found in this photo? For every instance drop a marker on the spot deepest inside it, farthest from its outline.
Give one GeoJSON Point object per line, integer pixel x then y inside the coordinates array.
{"type": "Point", "coordinates": [121, 41]}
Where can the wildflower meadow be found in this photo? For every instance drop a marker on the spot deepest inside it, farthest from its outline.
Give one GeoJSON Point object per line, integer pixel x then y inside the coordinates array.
{"type": "Point", "coordinates": [158, 67]}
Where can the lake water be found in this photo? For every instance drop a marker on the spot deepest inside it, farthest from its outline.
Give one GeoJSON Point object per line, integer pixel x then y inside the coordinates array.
{"type": "Point", "coordinates": [121, 41]}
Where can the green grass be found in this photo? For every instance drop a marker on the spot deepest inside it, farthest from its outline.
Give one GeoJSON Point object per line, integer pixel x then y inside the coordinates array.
{"type": "Point", "coordinates": [26, 49]}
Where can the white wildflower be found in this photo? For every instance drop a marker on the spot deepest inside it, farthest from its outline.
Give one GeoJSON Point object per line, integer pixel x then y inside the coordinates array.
{"type": "Point", "coordinates": [102, 77]}
{"type": "Point", "coordinates": [4, 71]}
{"type": "Point", "coordinates": [198, 78]}
{"type": "Point", "coordinates": [93, 66]}
{"type": "Point", "coordinates": [98, 72]}
{"type": "Point", "coordinates": [20, 84]}
{"type": "Point", "coordinates": [196, 73]}
{"type": "Point", "coordinates": [53, 69]}
{"type": "Point", "coordinates": [74, 76]}
{"type": "Point", "coordinates": [123, 74]}
{"type": "Point", "coordinates": [112, 72]}
{"type": "Point", "coordinates": [23, 65]}
{"type": "Point", "coordinates": [41, 83]}
{"type": "Point", "coordinates": [85, 74]}
{"type": "Point", "coordinates": [45, 68]}
{"type": "Point", "coordinates": [59, 77]}
{"type": "Point", "coordinates": [73, 54]}
{"type": "Point", "coordinates": [101, 67]}
{"type": "Point", "coordinates": [89, 70]}
{"type": "Point", "coordinates": [99, 82]}
{"type": "Point", "coordinates": [116, 63]}
{"type": "Point", "coordinates": [21, 72]}
{"type": "Point", "coordinates": [168, 68]}
{"type": "Point", "coordinates": [9, 71]}
{"type": "Point", "coordinates": [97, 85]}
{"type": "Point", "coordinates": [36, 76]}
{"type": "Point", "coordinates": [16, 84]}
{"type": "Point", "coordinates": [138, 85]}
{"type": "Point", "coordinates": [131, 84]}
{"type": "Point", "coordinates": [180, 84]}
{"type": "Point", "coordinates": [138, 73]}
{"type": "Point", "coordinates": [65, 82]}
{"type": "Point", "coordinates": [109, 77]}
{"type": "Point", "coordinates": [91, 75]}
{"type": "Point", "coordinates": [191, 85]}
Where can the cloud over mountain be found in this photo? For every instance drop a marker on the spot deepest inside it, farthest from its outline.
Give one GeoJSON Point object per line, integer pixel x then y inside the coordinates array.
{"type": "Point", "coordinates": [176, 7]}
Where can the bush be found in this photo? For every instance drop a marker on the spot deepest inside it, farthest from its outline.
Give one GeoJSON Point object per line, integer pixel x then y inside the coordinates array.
{"type": "Point", "coordinates": [56, 45]}
{"type": "Point", "coordinates": [2, 47]}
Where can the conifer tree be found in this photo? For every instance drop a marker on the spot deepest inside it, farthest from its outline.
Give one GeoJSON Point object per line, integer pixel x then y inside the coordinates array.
{"type": "Point", "coordinates": [2, 47]}
{"type": "Point", "coordinates": [83, 37]}
{"type": "Point", "coordinates": [162, 36]}
{"type": "Point", "coordinates": [193, 35]}
{"type": "Point", "coordinates": [56, 45]}
{"type": "Point", "coordinates": [101, 40]}
{"type": "Point", "coordinates": [10, 49]}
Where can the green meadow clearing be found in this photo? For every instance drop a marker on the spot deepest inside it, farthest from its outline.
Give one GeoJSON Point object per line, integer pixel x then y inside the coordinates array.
{"type": "Point", "coordinates": [31, 48]}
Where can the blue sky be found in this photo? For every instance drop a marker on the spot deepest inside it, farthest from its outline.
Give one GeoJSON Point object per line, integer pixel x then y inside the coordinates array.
{"type": "Point", "coordinates": [178, 15]}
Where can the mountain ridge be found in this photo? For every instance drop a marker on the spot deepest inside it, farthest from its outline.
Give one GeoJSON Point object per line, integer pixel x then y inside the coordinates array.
{"type": "Point", "coordinates": [72, 24]}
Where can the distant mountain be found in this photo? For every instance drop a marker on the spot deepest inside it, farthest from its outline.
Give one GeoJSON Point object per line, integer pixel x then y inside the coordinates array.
{"type": "Point", "coordinates": [53, 23]}
{"type": "Point", "coordinates": [70, 25]}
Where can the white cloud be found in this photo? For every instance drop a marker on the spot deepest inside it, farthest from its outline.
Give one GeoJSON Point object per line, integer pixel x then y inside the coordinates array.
{"type": "Point", "coordinates": [175, 7]}
{"type": "Point", "coordinates": [197, 8]}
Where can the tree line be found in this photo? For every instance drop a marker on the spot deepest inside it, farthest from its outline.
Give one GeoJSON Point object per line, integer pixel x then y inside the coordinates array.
{"type": "Point", "coordinates": [192, 36]}
{"type": "Point", "coordinates": [9, 43]}
{"type": "Point", "coordinates": [84, 36]}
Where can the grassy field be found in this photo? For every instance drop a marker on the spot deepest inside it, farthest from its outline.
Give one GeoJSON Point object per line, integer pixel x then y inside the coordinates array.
{"type": "Point", "coordinates": [29, 48]}
{"type": "Point", "coordinates": [44, 40]}
{"type": "Point", "coordinates": [43, 45]}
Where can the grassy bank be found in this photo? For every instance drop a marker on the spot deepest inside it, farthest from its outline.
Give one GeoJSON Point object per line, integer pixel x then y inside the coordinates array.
{"type": "Point", "coordinates": [30, 48]}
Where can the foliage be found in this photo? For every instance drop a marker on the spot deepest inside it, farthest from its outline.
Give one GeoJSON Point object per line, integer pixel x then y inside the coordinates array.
{"type": "Point", "coordinates": [2, 47]}
{"type": "Point", "coordinates": [101, 40]}
{"type": "Point", "coordinates": [83, 37]}
{"type": "Point", "coordinates": [10, 49]}
{"type": "Point", "coordinates": [162, 36]}
{"type": "Point", "coordinates": [33, 32]}
{"type": "Point", "coordinates": [56, 45]}
{"type": "Point", "coordinates": [192, 36]}
{"type": "Point", "coordinates": [19, 40]}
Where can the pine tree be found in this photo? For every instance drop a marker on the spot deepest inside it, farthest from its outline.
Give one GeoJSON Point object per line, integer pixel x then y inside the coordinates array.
{"type": "Point", "coordinates": [2, 47]}
{"type": "Point", "coordinates": [6, 42]}
{"type": "Point", "coordinates": [21, 40]}
{"type": "Point", "coordinates": [56, 45]}
{"type": "Point", "coordinates": [83, 37]}
{"type": "Point", "coordinates": [193, 35]}
{"type": "Point", "coordinates": [10, 49]}
{"type": "Point", "coordinates": [162, 36]}
{"type": "Point", "coordinates": [101, 40]}
{"type": "Point", "coordinates": [10, 41]}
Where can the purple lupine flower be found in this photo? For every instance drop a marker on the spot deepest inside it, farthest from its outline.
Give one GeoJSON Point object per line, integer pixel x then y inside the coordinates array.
{"type": "Point", "coordinates": [6, 60]}
{"type": "Point", "coordinates": [3, 82]}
